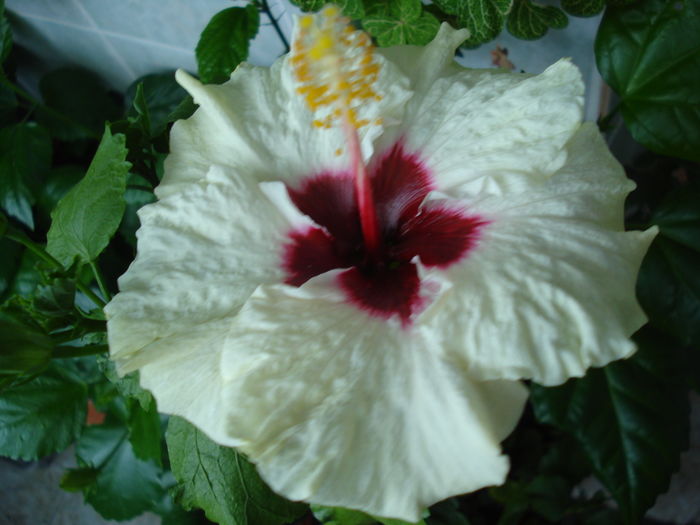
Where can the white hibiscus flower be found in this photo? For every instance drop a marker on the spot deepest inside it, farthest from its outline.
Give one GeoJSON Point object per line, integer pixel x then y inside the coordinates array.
{"type": "Point", "coordinates": [347, 285]}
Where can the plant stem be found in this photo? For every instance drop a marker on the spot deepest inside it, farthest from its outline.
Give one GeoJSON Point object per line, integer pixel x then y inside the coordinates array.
{"type": "Point", "coordinates": [19, 236]}
{"type": "Point", "coordinates": [61, 352]}
{"type": "Point", "coordinates": [265, 7]}
{"type": "Point", "coordinates": [100, 281]}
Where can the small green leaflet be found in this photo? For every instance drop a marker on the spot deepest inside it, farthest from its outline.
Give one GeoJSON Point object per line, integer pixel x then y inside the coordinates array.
{"type": "Point", "coordinates": [404, 23]}
{"type": "Point", "coordinates": [42, 416]}
{"type": "Point", "coordinates": [87, 217]}
{"type": "Point", "coordinates": [25, 157]}
{"type": "Point", "coordinates": [631, 418]}
{"type": "Point", "coordinates": [649, 53]}
{"type": "Point", "coordinates": [221, 482]}
{"type": "Point", "coordinates": [224, 42]}
{"type": "Point", "coordinates": [160, 96]}
{"type": "Point", "coordinates": [144, 431]}
{"type": "Point", "coordinates": [115, 482]}
{"type": "Point", "coordinates": [530, 21]}
{"type": "Point", "coordinates": [669, 282]}
{"type": "Point", "coordinates": [351, 8]}
{"type": "Point", "coordinates": [583, 7]}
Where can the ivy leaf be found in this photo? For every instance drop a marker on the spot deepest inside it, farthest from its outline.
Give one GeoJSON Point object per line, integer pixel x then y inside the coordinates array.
{"type": "Point", "coordinates": [530, 21]}
{"type": "Point", "coordinates": [42, 416]}
{"type": "Point", "coordinates": [78, 102]}
{"type": "Point", "coordinates": [222, 482]}
{"type": "Point", "coordinates": [224, 42]}
{"type": "Point", "coordinates": [353, 9]}
{"type": "Point", "coordinates": [631, 418]}
{"type": "Point", "coordinates": [649, 53]}
{"type": "Point", "coordinates": [124, 486]}
{"type": "Point", "coordinates": [669, 283]}
{"type": "Point", "coordinates": [404, 23]}
{"type": "Point", "coordinates": [25, 157]}
{"type": "Point", "coordinates": [483, 18]}
{"type": "Point", "coordinates": [87, 217]}
{"type": "Point", "coordinates": [583, 8]}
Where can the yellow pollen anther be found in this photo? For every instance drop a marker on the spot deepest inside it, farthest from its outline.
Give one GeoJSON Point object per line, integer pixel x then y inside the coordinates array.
{"type": "Point", "coordinates": [335, 67]}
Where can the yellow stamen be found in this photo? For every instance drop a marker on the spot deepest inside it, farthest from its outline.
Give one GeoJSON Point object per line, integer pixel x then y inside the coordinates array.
{"type": "Point", "coordinates": [335, 67]}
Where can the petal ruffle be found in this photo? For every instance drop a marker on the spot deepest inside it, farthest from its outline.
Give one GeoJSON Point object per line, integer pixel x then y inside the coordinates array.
{"type": "Point", "coordinates": [201, 253]}
{"type": "Point", "coordinates": [341, 409]}
{"type": "Point", "coordinates": [550, 289]}
{"type": "Point", "coordinates": [486, 130]}
{"type": "Point", "coordinates": [258, 121]}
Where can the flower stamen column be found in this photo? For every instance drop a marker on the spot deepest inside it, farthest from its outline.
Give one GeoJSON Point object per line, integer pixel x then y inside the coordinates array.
{"type": "Point", "coordinates": [335, 68]}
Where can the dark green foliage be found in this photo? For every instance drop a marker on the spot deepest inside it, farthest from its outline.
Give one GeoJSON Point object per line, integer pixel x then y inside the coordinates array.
{"type": "Point", "coordinates": [404, 22]}
{"type": "Point", "coordinates": [630, 418]}
{"type": "Point", "coordinates": [43, 415]}
{"type": "Point", "coordinates": [530, 21]}
{"type": "Point", "coordinates": [222, 482]}
{"type": "Point", "coordinates": [649, 53]}
{"type": "Point", "coordinates": [583, 7]}
{"type": "Point", "coordinates": [224, 42]}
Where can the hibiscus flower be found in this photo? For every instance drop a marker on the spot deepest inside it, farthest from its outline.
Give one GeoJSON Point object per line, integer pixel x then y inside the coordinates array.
{"type": "Point", "coordinates": [356, 255]}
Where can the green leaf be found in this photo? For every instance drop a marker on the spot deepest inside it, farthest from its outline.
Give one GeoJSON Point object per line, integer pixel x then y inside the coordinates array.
{"type": "Point", "coordinates": [353, 9]}
{"type": "Point", "coordinates": [78, 479]}
{"type": "Point", "coordinates": [53, 304]}
{"type": "Point", "coordinates": [221, 481]}
{"type": "Point", "coordinates": [5, 34]}
{"type": "Point", "coordinates": [583, 8]}
{"type": "Point", "coordinates": [404, 23]}
{"type": "Point", "coordinates": [631, 418]}
{"type": "Point", "coordinates": [144, 432]}
{"type": "Point", "coordinates": [669, 282]}
{"type": "Point", "coordinates": [124, 486]}
{"type": "Point", "coordinates": [8, 101]}
{"type": "Point", "coordinates": [224, 42]}
{"type": "Point", "coordinates": [87, 217]}
{"type": "Point", "coordinates": [530, 21]}
{"type": "Point", "coordinates": [483, 18]}
{"type": "Point", "coordinates": [446, 512]}
{"type": "Point", "coordinates": [25, 157]}
{"type": "Point", "coordinates": [42, 416]}
{"type": "Point", "coordinates": [78, 102]}
{"type": "Point", "coordinates": [58, 182]}
{"type": "Point", "coordinates": [25, 348]}
{"type": "Point", "coordinates": [128, 386]}
{"type": "Point", "coordinates": [161, 95]}
{"type": "Point", "coordinates": [649, 53]}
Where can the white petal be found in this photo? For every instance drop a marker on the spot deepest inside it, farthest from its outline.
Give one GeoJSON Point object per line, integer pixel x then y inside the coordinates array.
{"type": "Point", "coordinates": [257, 120]}
{"type": "Point", "coordinates": [550, 289]}
{"type": "Point", "coordinates": [341, 409]}
{"type": "Point", "coordinates": [201, 253]}
{"type": "Point", "coordinates": [485, 130]}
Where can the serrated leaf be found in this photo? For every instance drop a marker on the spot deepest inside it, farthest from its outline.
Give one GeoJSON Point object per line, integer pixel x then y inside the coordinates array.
{"type": "Point", "coordinates": [353, 9]}
{"type": "Point", "coordinates": [42, 416]}
{"type": "Point", "coordinates": [87, 217]}
{"type": "Point", "coordinates": [649, 53]}
{"type": "Point", "coordinates": [224, 42]}
{"type": "Point", "coordinates": [25, 157]}
{"type": "Point", "coordinates": [583, 8]}
{"type": "Point", "coordinates": [631, 418]}
{"type": "Point", "coordinates": [404, 23]}
{"type": "Point", "coordinates": [222, 482]}
{"type": "Point", "coordinates": [530, 21]}
{"type": "Point", "coordinates": [669, 282]}
{"type": "Point", "coordinates": [124, 486]}
{"type": "Point", "coordinates": [79, 104]}
{"type": "Point", "coordinates": [128, 386]}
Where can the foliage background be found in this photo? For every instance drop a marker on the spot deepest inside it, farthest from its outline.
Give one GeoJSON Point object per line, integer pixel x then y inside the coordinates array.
{"type": "Point", "coordinates": [77, 161]}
